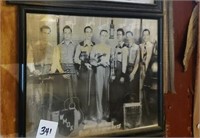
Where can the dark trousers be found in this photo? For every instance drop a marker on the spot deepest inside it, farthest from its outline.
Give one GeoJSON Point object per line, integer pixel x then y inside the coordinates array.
{"type": "Point", "coordinates": [86, 92]}
{"type": "Point", "coordinates": [71, 82]}
{"type": "Point", "coordinates": [150, 106]}
{"type": "Point", "coordinates": [117, 95]}
{"type": "Point", "coordinates": [132, 87]}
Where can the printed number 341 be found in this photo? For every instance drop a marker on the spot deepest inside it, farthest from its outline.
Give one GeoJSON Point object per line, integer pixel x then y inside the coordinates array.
{"type": "Point", "coordinates": [45, 131]}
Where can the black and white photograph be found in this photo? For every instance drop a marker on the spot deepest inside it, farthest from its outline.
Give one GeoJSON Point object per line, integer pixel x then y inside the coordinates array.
{"type": "Point", "coordinates": [93, 75]}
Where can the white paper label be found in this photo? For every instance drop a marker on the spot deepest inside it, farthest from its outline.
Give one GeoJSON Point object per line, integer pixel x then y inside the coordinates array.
{"type": "Point", "coordinates": [47, 129]}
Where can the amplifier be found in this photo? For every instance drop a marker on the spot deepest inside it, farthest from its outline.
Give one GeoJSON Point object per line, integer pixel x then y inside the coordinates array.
{"type": "Point", "coordinates": [132, 115]}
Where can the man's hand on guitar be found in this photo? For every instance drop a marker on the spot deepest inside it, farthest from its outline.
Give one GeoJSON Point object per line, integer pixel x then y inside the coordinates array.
{"type": "Point", "coordinates": [66, 76]}
{"type": "Point", "coordinates": [105, 64]}
{"type": "Point", "coordinates": [88, 66]}
{"type": "Point", "coordinates": [60, 71]}
{"type": "Point", "coordinates": [37, 72]}
{"type": "Point", "coordinates": [51, 72]}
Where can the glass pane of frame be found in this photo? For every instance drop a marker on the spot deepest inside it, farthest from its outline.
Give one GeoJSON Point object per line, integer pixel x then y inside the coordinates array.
{"type": "Point", "coordinates": [93, 75]}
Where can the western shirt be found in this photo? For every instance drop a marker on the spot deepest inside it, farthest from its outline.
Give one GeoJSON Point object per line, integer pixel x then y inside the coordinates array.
{"type": "Point", "coordinates": [67, 51]}
{"type": "Point", "coordinates": [83, 47]}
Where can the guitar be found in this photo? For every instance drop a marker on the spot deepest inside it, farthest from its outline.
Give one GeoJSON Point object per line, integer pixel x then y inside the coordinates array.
{"type": "Point", "coordinates": [83, 56]}
{"type": "Point", "coordinates": [99, 57]}
{"type": "Point", "coordinates": [71, 116]}
{"type": "Point", "coordinates": [71, 103]}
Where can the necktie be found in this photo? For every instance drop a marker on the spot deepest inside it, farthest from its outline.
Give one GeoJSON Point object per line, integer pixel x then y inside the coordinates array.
{"type": "Point", "coordinates": [145, 53]}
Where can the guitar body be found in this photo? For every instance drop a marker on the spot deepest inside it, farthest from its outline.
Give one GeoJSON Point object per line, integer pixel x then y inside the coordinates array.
{"type": "Point", "coordinates": [73, 104]}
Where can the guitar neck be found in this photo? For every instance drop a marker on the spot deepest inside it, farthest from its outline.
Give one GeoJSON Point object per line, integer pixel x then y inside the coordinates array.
{"type": "Point", "coordinates": [70, 89]}
{"type": "Point", "coordinates": [49, 74]}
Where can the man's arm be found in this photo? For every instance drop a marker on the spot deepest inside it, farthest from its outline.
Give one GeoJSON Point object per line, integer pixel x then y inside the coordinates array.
{"type": "Point", "coordinates": [56, 61]}
{"type": "Point", "coordinates": [124, 63]}
{"type": "Point", "coordinates": [136, 64]}
{"type": "Point", "coordinates": [150, 52]}
{"type": "Point", "coordinates": [77, 54]}
{"type": "Point", "coordinates": [124, 59]}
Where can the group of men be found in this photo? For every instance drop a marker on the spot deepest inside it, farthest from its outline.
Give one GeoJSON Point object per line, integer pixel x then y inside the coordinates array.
{"type": "Point", "coordinates": [99, 75]}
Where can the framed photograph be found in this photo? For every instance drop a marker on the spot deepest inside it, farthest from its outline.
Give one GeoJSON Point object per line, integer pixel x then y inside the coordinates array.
{"type": "Point", "coordinates": [96, 73]}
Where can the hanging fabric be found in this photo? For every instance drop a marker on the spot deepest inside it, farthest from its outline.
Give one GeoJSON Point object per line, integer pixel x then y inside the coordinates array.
{"type": "Point", "coordinates": [191, 37]}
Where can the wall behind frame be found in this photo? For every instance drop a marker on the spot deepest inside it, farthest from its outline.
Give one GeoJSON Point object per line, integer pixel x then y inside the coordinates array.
{"type": "Point", "coordinates": [8, 69]}
{"type": "Point", "coordinates": [178, 107]}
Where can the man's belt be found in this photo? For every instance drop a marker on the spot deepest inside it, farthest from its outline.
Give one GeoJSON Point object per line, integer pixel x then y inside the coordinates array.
{"type": "Point", "coordinates": [68, 68]}
{"type": "Point", "coordinates": [101, 65]}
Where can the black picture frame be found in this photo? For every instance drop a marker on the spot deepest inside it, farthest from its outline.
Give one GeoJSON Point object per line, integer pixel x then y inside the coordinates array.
{"type": "Point", "coordinates": [91, 9]}
{"type": "Point", "coordinates": [108, 5]}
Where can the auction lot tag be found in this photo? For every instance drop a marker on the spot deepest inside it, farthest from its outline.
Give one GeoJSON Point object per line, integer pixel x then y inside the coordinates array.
{"type": "Point", "coordinates": [47, 129]}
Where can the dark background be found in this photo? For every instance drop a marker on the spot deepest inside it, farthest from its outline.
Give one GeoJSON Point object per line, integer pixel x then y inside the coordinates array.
{"type": "Point", "coordinates": [178, 107]}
